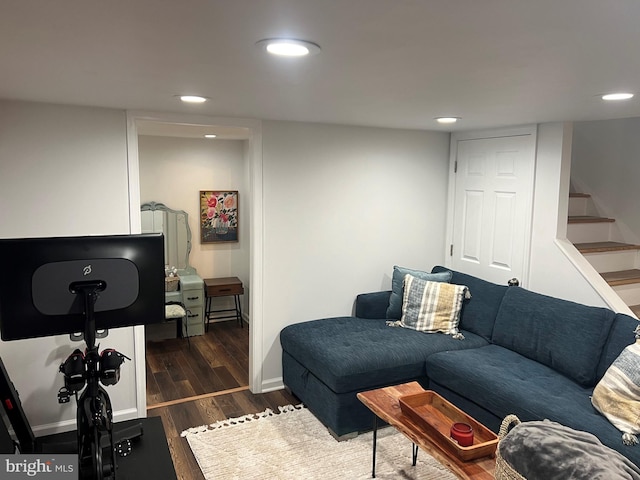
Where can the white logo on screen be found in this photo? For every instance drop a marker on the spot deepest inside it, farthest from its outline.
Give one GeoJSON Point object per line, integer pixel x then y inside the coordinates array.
{"type": "Point", "coordinates": [86, 270]}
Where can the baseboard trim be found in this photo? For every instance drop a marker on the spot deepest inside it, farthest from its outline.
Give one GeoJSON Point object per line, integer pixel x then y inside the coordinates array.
{"type": "Point", "coordinates": [68, 425]}
{"type": "Point", "coordinates": [272, 384]}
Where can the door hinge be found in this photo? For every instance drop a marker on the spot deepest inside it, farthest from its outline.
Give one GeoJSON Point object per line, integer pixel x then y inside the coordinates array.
{"type": "Point", "coordinates": [455, 166]}
{"type": "Point", "coordinates": [451, 250]}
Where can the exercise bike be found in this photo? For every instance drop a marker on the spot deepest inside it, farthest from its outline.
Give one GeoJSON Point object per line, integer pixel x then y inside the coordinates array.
{"type": "Point", "coordinates": [85, 372]}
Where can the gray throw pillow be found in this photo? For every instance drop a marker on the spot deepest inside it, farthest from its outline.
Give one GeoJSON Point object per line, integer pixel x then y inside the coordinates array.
{"type": "Point", "coordinates": [548, 450]}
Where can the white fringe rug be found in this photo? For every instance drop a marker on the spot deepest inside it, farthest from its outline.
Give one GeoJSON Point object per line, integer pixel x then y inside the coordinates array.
{"type": "Point", "coordinates": [294, 445]}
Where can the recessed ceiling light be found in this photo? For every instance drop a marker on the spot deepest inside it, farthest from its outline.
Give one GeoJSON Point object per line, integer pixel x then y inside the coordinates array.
{"type": "Point", "coordinates": [447, 119]}
{"type": "Point", "coordinates": [192, 99]}
{"type": "Point", "coordinates": [288, 47]}
{"type": "Point", "coordinates": [210, 135]}
{"type": "Point", "coordinates": [617, 96]}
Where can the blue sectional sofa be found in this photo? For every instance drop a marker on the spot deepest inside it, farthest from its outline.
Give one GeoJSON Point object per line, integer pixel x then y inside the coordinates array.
{"type": "Point", "coordinates": [523, 353]}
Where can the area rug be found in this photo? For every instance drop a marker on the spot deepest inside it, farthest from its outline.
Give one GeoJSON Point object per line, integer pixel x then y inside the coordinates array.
{"type": "Point", "coordinates": [292, 445]}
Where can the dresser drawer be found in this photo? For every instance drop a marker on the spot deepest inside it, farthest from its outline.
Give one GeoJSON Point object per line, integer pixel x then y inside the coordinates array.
{"type": "Point", "coordinates": [224, 290]}
{"type": "Point", "coordinates": [195, 322]}
{"type": "Point", "coordinates": [223, 286]}
{"type": "Point", "coordinates": [194, 316]}
{"type": "Point", "coordinates": [193, 298]}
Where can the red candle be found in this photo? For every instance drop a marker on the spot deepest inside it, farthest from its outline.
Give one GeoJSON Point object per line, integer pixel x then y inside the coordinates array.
{"type": "Point", "coordinates": [462, 433]}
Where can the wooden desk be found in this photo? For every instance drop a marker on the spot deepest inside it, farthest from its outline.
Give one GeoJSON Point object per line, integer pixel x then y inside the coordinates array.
{"type": "Point", "coordinates": [384, 404]}
{"type": "Point", "coordinates": [223, 287]}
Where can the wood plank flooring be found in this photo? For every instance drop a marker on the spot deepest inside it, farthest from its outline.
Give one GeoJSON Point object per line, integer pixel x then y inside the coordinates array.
{"type": "Point", "coordinates": [179, 417]}
{"type": "Point", "coordinates": [189, 386]}
{"type": "Point", "coordinates": [178, 368]}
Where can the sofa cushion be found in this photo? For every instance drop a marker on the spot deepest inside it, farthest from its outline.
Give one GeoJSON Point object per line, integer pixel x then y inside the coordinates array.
{"type": "Point", "coordinates": [353, 354]}
{"type": "Point", "coordinates": [479, 312]}
{"type": "Point", "coordinates": [566, 336]}
{"type": "Point", "coordinates": [431, 307]}
{"type": "Point", "coordinates": [505, 382]}
{"type": "Point", "coordinates": [394, 311]}
{"type": "Point", "coordinates": [620, 336]}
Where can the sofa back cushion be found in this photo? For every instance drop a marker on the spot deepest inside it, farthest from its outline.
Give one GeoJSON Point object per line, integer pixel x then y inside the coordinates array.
{"type": "Point", "coordinates": [479, 312]}
{"type": "Point", "coordinates": [620, 336]}
{"type": "Point", "coordinates": [566, 336]}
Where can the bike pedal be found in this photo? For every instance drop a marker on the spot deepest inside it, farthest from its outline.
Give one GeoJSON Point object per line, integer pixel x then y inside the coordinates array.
{"type": "Point", "coordinates": [123, 448]}
{"type": "Point", "coordinates": [64, 396]}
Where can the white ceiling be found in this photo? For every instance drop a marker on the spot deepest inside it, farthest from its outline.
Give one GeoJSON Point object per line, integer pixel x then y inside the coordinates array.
{"type": "Point", "coordinates": [388, 63]}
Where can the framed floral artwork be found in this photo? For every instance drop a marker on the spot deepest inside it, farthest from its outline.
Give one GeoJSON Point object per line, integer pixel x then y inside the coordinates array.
{"type": "Point", "coordinates": [218, 216]}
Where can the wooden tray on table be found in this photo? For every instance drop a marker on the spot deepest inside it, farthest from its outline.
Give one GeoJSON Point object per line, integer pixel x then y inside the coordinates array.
{"type": "Point", "coordinates": [436, 415]}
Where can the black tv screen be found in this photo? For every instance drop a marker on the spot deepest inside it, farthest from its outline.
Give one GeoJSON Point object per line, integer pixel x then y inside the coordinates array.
{"type": "Point", "coordinates": [37, 295]}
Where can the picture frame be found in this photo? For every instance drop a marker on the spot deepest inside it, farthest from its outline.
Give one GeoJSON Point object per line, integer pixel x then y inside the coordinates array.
{"type": "Point", "coordinates": [219, 216]}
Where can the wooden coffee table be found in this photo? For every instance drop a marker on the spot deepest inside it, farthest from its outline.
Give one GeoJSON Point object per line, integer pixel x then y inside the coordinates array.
{"type": "Point", "coordinates": [384, 404]}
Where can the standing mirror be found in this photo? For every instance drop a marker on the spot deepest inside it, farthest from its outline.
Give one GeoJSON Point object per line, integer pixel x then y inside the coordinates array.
{"type": "Point", "coordinates": [174, 224]}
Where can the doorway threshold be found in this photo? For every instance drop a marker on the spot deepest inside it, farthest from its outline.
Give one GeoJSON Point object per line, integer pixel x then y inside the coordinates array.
{"type": "Point", "coordinates": [178, 401]}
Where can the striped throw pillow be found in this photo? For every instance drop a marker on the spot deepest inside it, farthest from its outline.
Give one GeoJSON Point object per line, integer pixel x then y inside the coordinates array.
{"type": "Point", "coordinates": [617, 394]}
{"type": "Point", "coordinates": [432, 306]}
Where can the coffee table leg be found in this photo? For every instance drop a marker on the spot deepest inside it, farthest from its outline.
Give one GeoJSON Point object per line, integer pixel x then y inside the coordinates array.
{"type": "Point", "coordinates": [375, 438]}
{"type": "Point", "coordinates": [414, 448]}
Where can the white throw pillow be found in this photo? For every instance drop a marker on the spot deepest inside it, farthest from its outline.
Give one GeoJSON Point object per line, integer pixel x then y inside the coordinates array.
{"type": "Point", "coordinates": [617, 394]}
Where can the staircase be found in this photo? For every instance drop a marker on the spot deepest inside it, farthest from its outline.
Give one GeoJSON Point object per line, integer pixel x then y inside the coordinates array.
{"type": "Point", "coordinates": [600, 242]}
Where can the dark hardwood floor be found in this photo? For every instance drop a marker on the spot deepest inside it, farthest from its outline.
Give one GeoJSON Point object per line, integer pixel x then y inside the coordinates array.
{"type": "Point", "coordinates": [178, 417]}
{"type": "Point", "coordinates": [200, 382]}
{"type": "Point", "coordinates": [178, 368]}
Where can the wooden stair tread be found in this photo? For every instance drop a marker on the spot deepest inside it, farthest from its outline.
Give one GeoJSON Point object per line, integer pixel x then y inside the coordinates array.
{"type": "Point", "coordinates": [589, 219]}
{"type": "Point", "coordinates": [622, 277]}
{"type": "Point", "coordinates": [635, 309]}
{"type": "Point", "coordinates": [596, 247]}
{"type": "Point", "coordinates": [579, 195]}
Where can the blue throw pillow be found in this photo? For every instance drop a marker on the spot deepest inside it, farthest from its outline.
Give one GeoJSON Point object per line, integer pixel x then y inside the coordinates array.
{"type": "Point", "coordinates": [394, 311]}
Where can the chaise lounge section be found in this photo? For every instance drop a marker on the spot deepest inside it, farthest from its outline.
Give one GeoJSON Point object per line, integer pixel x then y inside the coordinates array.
{"type": "Point", "coordinates": [525, 353]}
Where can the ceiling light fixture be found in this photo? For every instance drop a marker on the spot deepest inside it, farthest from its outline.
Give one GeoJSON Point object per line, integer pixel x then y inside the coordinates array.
{"type": "Point", "coordinates": [192, 99]}
{"type": "Point", "coordinates": [447, 119]}
{"type": "Point", "coordinates": [210, 135]}
{"type": "Point", "coordinates": [288, 47]}
{"type": "Point", "coordinates": [617, 96]}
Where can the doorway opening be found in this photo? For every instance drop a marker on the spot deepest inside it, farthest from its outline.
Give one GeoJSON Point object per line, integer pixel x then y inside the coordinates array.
{"type": "Point", "coordinates": [223, 358]}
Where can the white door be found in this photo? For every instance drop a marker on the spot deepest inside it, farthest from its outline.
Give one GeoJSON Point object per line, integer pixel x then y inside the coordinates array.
{"type": "Point", "coordinates": [493, 207]}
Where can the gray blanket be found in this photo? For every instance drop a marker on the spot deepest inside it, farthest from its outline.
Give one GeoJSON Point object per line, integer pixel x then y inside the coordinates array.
{"type": "Point", "coordinates": [547, 450]}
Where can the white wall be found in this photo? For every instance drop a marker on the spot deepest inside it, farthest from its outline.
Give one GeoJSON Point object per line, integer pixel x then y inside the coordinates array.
{"type": "Point", "coordinates": [63, 171]}
{"type": "Point", "coordinates": [342, 205]}
{"type": "Point", "coordinates": [552, 272]}
{"type": "Point", "coordinates": [174, 170]}
{"type": "Point", "coordinates": [605, 164]}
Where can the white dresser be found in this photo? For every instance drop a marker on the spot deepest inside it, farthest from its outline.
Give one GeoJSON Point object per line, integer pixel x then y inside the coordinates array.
{"type": "Point", "coordinates": [174, 225]}
{"type": "Point", "coordinates": [192, 291]}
